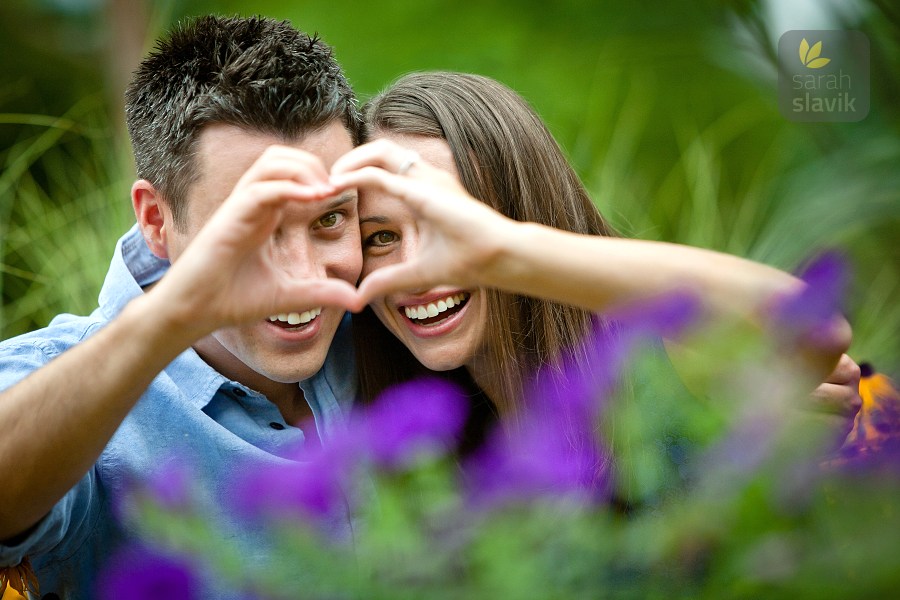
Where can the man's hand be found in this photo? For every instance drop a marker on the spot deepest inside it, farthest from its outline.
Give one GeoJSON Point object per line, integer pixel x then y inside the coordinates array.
{"type": "Point", "coordinates": [228, 274]}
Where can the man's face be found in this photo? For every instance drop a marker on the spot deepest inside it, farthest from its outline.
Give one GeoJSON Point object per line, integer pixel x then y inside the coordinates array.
{"type": "Point", "coordinates": [316, 240]}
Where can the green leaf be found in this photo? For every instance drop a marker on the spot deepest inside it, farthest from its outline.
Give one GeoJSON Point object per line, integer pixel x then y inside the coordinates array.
{"type": "Point", "coordinates": [804, 50]}
{"type": "Point", "coordinates": [814, 52]}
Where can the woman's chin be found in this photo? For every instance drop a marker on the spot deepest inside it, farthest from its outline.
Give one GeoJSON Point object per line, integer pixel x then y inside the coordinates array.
{"type": "Point", "coordinates": [439, 363]}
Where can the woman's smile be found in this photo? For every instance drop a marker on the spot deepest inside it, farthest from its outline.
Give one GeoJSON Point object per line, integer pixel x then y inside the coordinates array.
{"type": "Point", "coordinates": [435, 316]}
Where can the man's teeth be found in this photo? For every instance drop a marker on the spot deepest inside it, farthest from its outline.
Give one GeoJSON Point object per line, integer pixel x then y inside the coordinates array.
{"type": "Point", "coordinates": [297, 318]}
{"type": "Point", "coordinates": [433, 309]}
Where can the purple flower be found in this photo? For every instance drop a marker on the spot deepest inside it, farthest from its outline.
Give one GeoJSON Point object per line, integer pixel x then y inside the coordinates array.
{"type": "Point", "coordinates": [555, 451]}
{"type": "Point", "coordinates": [540, 463]}
{"type": "Point", "coordinates": [169, 484]}
{"type": "Point", "coordinates": [408, 419]}
{"type": "Point", "coordinates": [667, 316]}
{"type": "Point", "coordinates": [810, 313]}
{"type": "Point", "coordinates": [313, 488]}
{"type": "Point", "coordinates": [137, 573]}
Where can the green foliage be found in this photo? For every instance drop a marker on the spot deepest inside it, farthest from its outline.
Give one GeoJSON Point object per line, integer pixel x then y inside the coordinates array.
{"type": "Point", "coordinates": [58, 223]}
{"type": "Point", "coordinates": [750, 509]}
{"type": "Point", "coordinates": [668, 111]}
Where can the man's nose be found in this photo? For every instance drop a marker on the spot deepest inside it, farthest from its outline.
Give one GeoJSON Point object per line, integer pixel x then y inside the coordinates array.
{"type": "Point", "coordinates": [301, 261]}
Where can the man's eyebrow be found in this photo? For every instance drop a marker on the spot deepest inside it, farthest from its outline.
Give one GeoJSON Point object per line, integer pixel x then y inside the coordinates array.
{"type": "Point", "coordinates": [341, 200]}
{"type": "Point", "coordinates": [380, 219]}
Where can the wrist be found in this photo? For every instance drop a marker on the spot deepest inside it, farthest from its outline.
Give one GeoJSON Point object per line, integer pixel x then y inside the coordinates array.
{"type": "Point", "coordinates": [167, 325]}
{"type": "Point", "coordinates": [507, 252]}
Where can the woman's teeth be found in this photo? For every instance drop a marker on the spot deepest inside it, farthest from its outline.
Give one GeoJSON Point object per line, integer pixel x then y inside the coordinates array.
{"type": "Point", "coordinates": [433, 309]}
{"type": "Point", "coordinates": [296, 318]}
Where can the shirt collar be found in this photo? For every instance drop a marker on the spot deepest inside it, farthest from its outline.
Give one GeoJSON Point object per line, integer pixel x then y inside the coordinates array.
{"type": "Point", "coordinates": [134, 266]}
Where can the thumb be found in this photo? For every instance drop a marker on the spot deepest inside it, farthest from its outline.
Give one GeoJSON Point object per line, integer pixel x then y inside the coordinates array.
{"type": "Point", "coordinates": [319, 292]}
{"type": "Point", "coordinates": [393, 278]}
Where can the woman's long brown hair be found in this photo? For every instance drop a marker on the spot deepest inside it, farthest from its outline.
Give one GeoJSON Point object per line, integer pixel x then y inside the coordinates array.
{"type": "Point", "coordinates": [507, 158]}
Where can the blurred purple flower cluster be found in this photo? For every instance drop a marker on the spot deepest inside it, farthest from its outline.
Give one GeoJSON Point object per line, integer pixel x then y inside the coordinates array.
{"type": "Point", "coordinates": [422, 417]}
{"type": "Point", "coordinates": [139, 573]}
{"type": "Point", "coordinates": [555, 451]}
{"type": "Point", "coordinates": [551, 451]}
{"type": "Point", "coordinates": [810, 313]}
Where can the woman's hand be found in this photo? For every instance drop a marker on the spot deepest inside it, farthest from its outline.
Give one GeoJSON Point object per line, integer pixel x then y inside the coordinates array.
{"type": "Point", "coordinates": [460, 238]}
{"type": "Point", "coordinates": [838, 396]}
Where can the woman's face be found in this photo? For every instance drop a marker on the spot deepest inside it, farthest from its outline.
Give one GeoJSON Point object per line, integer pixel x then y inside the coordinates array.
{"type": "Point", "coordinates": [444, 326]}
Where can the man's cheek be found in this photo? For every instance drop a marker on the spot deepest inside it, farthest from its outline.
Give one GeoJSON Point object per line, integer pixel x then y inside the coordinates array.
{"type": "Point", "coordinates": [348, 261]}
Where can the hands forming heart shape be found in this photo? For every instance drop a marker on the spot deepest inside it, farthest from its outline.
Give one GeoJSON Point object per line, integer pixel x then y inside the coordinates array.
{"type": "Point", "coordinates": [229, 272]}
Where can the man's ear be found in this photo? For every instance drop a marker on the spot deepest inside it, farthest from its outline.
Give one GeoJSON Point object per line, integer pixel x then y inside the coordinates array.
{"type": "Point", "coordinates": [153, 216]}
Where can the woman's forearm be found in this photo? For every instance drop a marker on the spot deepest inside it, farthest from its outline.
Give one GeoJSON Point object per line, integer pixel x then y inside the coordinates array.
{"type": "Point", "coordinates": [599, 273]}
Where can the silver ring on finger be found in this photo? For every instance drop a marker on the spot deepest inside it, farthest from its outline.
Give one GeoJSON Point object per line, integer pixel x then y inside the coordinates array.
{"type": "Point", "coordinates": [408, 163]}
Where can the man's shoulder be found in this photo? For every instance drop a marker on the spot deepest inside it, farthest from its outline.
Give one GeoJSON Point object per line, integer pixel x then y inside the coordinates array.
{"type": "Point", "coordinates": [29, 351]}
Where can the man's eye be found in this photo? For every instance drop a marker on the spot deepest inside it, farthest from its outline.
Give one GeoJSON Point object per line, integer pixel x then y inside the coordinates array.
{"type": "Point", "coordinates": [381, 238]}
{"type": "Point", "coordinates": [332, 219]}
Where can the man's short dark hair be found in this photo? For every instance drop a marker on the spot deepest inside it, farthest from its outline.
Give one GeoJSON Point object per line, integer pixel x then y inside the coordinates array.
{"type": "Point", "coordinates": [256, 73]}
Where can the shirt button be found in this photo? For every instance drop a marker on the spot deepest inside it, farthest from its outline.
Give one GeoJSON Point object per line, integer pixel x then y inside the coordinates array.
{"type": "Point", "coordinates": [239, 393]}
{"type": "Point", "coordinates": [276, 425]}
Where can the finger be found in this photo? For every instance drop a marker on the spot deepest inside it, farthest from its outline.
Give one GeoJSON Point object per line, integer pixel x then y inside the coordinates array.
{"type": "Point", "coordinates": [393, 278]}
{"type": "Point", "coordinates": [837, 399]}
{"type": "Point", "coordinates": [377, 178]}
{"type": "Point", "coordinates": [251, 204]}
{"type": "Point", "coordinates": [312, 293]}
{"type": "Point", "coordinates": [846, 372]}
{"type": "Point", "coordinates": [281, 192]}
{"type": "Point", "coordinates": [381, 153]}
{"type": "Point", "coordinates": [282, 162]}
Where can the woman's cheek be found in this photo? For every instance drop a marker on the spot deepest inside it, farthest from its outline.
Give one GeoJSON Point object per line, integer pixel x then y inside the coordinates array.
{"type": "Point", "coordinates": [369, 265]}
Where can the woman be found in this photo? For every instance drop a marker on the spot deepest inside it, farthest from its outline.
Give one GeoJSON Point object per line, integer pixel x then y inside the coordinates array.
{"type": "Point", "coordinates": [488, 291]}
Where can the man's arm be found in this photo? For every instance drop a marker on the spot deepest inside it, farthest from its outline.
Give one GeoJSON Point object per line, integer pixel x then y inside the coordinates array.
{"type": "Point", "coordinates": [59, 418]}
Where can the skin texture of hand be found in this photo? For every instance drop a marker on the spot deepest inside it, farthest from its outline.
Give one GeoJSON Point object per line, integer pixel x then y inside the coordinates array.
{"type": "Point", "coordinates": [459, 236]}
{"type": "Point", "coordinates": [227, 275]}
{"type": "Point", "coordinates": [837, 398]}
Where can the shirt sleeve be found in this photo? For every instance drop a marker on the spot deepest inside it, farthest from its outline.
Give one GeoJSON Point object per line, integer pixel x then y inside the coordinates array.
{"type": "Point", "coordinates": [69, 522]}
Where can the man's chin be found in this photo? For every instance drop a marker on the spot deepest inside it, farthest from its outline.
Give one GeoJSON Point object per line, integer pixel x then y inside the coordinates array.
{"type": "Point", "coordinates": [296, 372]}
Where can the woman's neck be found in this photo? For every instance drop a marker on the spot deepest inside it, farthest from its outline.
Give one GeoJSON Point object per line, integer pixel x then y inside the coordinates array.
{"type": "Point", "coordinates": [483, 372]}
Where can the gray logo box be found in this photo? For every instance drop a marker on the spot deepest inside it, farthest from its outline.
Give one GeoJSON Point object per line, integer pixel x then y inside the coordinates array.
{"type": "Point", "coordinates": [823, 75]}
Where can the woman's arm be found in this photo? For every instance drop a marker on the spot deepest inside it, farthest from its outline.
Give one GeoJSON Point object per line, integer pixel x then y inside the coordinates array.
{"type": "Point", "coordinates": [464, 242]}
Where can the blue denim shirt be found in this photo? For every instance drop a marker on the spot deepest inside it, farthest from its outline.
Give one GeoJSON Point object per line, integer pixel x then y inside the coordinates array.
{"type": "Point", "coordinates": [190, 410]}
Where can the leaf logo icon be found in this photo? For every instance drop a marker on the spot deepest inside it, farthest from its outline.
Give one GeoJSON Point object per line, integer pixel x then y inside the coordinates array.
{"type": "Point", "coordinates": [810, 56]}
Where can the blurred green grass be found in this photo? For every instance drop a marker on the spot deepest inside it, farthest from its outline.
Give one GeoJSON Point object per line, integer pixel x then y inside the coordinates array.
{"type": "Point", "coordinates": [667, 110]}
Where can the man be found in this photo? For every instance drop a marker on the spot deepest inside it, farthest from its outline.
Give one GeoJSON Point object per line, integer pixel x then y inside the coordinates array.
{"type": "Point", "coordinates": [234, 125]}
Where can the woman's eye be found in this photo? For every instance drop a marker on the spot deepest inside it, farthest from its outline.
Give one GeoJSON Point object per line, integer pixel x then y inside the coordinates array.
{"type": "Point", "coordinates": [381, 238]}
{"type": "Point", "coordinates": [332, 219]}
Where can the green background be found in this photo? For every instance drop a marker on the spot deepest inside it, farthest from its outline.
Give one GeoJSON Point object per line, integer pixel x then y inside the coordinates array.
{"type": "Point", "coordinates": [668, 110]}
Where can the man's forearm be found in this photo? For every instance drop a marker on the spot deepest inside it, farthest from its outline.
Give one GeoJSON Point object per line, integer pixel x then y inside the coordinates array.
{"type": "Point", "coordinates": [59, 418]}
